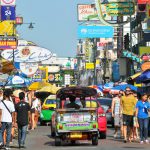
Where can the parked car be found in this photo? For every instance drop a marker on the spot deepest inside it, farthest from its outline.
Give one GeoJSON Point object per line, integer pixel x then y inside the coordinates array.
{"type": "Point", "coordinates": [106, 104]}
{"type": "Point", "coordinates": [48, 109]}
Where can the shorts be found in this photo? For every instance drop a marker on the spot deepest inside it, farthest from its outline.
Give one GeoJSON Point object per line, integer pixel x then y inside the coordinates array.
{"type": "Point", "coordinates": [128, 120]}
{"type": "Point", "coordinates": [118, 120]}
{"type": "Point", "coordinates": [32, 110]}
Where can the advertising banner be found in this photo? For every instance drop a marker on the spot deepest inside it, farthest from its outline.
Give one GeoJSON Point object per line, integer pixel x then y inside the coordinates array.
{"type": "Point", "coordinates": [27, 54]}
{"type": "Point", "coordinates": [7, 2]}
{"type": "Point", "coordinates": [54, 77]}
{"type": "Point", "coordinates": [7, 27]}
{"type": "Point", "coordinates": [95, 31]}
{"type": "Point", "coordinates": [8, 13]}
{"type": "Point", "coordinates": [87, 12]}
{"type": "Point", "coordinates": [8, 44]}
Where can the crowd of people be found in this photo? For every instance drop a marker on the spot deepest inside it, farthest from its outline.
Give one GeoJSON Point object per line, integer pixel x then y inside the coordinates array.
{"type": "Point", "coordinates": [131, 112]}
{"type": "Point", "coordinates": [17, 114]}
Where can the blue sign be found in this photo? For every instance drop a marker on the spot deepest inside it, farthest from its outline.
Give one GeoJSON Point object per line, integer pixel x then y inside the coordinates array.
{"type": "Point", "coordinates": [95, 32]}
{"type": "Point", "coordinates": [8, 13]}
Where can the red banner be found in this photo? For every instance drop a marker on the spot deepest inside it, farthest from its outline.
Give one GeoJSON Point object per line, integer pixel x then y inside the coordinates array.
{"type": "Point", "coordinates": [143, 1]}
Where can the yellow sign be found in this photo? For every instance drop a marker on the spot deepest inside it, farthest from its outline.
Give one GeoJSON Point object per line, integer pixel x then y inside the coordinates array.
{"type": "Point", "coordinates": [7, 44]}
{"type": "Point", "coordinates": [143, 50]}
{"type": "Point", "coordinates": [89, 66]}
{"type": "Point", "coordinates": [7, 28]}
{"type": "Point", "coordinates": [148, 11]}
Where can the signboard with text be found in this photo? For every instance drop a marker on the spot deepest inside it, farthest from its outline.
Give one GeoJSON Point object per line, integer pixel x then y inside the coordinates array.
{"type": "Point", "coordinates": [95, 31]}
{"type": "Point", "coordinates": [87, 12]}
{"type": "Point", "coordinates": [8, 44]}
{"type": "Point", "coordinates": [8, 13]}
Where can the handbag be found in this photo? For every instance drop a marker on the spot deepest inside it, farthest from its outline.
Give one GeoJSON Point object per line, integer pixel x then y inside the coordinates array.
{"type": "Point", "coordinates": [6, 107]}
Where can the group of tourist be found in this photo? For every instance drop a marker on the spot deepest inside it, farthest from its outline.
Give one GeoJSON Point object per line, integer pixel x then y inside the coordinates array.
{"type": "Point", "coordinates": [131, 114]}
{"type": "Point", "coordinates": [19, 113]}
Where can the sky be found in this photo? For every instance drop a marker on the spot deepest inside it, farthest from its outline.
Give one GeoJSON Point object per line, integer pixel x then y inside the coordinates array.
{"type": "Point", "coordinates": [55, 25]}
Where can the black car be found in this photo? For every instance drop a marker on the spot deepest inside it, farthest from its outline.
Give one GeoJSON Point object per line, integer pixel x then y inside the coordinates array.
{"type": "Point", "coordinates": [106, 104]}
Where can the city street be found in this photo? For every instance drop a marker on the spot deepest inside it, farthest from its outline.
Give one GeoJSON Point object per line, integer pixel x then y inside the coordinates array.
{"type": "Point", "coordinates": [41, 139]}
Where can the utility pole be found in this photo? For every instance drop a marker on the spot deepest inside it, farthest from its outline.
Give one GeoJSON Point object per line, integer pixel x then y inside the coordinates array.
{"type": "Point", "coordinates": [94, 56]}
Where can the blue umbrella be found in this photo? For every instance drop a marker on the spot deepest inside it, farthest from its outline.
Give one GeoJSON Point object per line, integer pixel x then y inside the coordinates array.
{"type": "Point", "coordinates": [109, 85]}
{"type": "Point", "coordinates": [144, 77]}
{"type": "Point", "coordinates": [124, 86]}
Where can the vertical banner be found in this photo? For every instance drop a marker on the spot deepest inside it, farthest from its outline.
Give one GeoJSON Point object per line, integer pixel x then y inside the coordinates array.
{"type": "Point", "coordinates": [7, 2]}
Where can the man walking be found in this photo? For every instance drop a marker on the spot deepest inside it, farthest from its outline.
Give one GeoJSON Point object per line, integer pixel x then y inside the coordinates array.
{"type": "Point", "coordinates": [7, 118]}
{"type": "Point", "coordinates": [22, 113]}
{"type": "Point", "coordinates": [128, 103]}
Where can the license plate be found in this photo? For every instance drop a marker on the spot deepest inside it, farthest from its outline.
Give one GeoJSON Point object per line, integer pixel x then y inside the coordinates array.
{"type": "Point", "coordinates": [76, 135]}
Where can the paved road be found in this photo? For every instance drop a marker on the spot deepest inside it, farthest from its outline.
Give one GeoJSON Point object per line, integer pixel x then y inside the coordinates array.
{"type": "Point", "coordinates": [40, 139]}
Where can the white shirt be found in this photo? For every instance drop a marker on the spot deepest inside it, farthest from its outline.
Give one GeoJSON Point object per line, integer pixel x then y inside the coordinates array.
{"type": "Point", "coordinates": [6, 116]}
{"type": "Point", "coordinates": [35, 104]}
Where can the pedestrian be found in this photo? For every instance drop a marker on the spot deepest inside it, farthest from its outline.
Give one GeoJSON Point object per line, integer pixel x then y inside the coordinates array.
{"type": "Point", "coordinates": [116, 113]}
{"type": "Point", "coordinates": [1, 94]}
{"type": "Point", "coordinates": [128, 103]}
{"type": "Point", "coordinates": [7, 119]}
{"type": "Point", "coordinates": [35, 106]}
{"type": "Point", "coordinates": [142, 108]}
{"type": "Point", "coordinates": [22, 113]}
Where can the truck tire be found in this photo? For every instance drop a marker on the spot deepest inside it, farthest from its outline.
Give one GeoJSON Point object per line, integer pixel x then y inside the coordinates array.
{"type": "Point", "coordinates": [102, 135]}
{"type": "Point", "coordinates": [57, 141]}
{"type": "Point", "coordinates": [95, 140]}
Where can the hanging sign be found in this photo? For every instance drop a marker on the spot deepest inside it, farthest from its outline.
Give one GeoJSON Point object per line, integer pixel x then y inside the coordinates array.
{"type": "Point", "coordinates": [27, 54]}
{"type": "Point", "coordinates": [8, 2]}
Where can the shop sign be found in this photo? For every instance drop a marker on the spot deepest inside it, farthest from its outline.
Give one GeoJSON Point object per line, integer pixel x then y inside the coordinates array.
{"type": "Point", "coordinates": [89, 66]}
{"type": "Point", "coordinates": [87, 12]}
{"type": "Point", "coordinates": [8, 13]}
{"type": "Point", "coordinates": [7, 27]}
{"type": "Point", "coordinates": [27, 54]}
{"type": "Point", "coordinates": [120, 9]}
{"type": "Point", "coordinates": [28, 68]}
{"type": "Point", "coordinates": [17, 80]}
{"type": "Point", "coordinates": [53, 69]}
{"type": "Point", "coordinates": [8, 44]}
{"type": "Point", "coordinates": [95, 31]}
{"type": "Point", "coordinates": [145, 66]}
{"type": "Point", "coordinates": [8, 2]}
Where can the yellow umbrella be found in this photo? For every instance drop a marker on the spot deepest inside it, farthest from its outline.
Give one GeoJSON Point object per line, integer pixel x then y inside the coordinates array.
{"type": "Point", "coordinates": [38, 85]}
{"type": "Point", "coordinates": [51, 89]}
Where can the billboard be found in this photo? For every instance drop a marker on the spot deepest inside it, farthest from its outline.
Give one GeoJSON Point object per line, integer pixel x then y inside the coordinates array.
{"type": "Point", "coordinates": [7, 2]}
{"type": "Point", "coordinates": [8, 44]}
{"type": "Point", "coordinates": [87, 12]}
{"type": "Point", "coordinates": [95, 31]}
{"type": "Point", "coordinates": [8, 13]}
{"type": "Point", "coordinates": [7, 27]}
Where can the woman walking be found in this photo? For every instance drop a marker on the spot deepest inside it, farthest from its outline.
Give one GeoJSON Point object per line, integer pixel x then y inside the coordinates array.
{"type": "Point", "coordinates": [142, 108]}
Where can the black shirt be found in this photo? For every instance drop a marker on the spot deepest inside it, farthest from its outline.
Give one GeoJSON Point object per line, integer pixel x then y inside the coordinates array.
{"type": "Point", "coordinates": [22, 109]}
